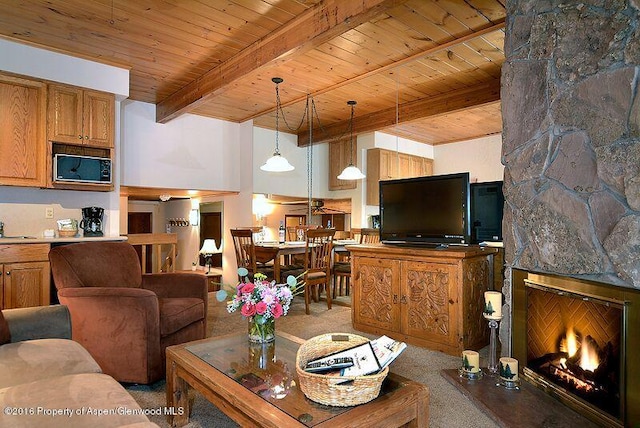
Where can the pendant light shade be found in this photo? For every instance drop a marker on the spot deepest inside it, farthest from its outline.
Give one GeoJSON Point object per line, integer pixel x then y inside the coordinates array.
{"type": "Point", "coordinates": [277, 162]}
{"type": "Point", "coordinates": [351, 172]}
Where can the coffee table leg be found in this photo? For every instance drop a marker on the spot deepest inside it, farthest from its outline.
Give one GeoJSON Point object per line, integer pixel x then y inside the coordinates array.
{"type": "Point", "coordinates": [177, 397]}
{"type": "Point", "coordinates": [422, 411]}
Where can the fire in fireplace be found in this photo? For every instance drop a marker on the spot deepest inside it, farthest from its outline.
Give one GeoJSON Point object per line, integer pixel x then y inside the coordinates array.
{"type": "Point", "coordinates": [571, 337]}
{"type": "Point", "coordinates": [584, 362]}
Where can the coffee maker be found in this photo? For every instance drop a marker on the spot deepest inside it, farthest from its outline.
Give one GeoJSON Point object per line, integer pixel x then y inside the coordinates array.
{"type": "Point", "coordinates": [91, 222]}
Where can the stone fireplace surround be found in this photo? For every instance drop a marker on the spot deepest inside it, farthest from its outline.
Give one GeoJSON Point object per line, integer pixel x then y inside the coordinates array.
{"type": "Point", "coordinates": [571, 143]}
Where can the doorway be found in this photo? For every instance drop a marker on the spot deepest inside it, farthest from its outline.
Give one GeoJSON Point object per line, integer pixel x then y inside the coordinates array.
{"type": "Point", "coordinates": [211, 228]}
{"type": "Point", "coordinates": [140, 222]}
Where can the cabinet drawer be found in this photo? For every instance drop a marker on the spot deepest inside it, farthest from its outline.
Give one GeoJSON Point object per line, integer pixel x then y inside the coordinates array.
{"type": "Point", "coordinates": [24, 253]}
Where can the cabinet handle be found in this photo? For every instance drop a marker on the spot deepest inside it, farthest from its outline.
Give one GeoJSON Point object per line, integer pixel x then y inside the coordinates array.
{"type": "Point", "coordinates": [403, 300]}
{"type": "Point", "coordinates": [80, 137]}
{"type": "Point", "coordinates": [86, 137]}
{"type": "Point", "coordinates": [8, 272]}
{"type": "Point", "coordinates": [395, 299]}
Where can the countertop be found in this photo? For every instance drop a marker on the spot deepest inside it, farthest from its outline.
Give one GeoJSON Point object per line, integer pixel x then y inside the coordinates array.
{"type": "Point", "coordinates": [41, 240]}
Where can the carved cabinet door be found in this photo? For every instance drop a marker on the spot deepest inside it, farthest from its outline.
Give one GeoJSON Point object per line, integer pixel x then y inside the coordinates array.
{"type": "Point", "coordinates": [430, 301]}
{"type": "Point", "coordinates": [376, 293]}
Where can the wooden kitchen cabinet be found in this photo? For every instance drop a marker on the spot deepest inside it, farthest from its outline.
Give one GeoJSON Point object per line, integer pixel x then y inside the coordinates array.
{"type": "Point", "coordinates": [426, 297]}
{"type": "Point", "coordinates": [22, 137]}
{"type": "Point", "coordinates": [26, 275]}
{"type": "Point", "coordinates": [80, 116]}
{"type": "Point", "coordinates": [340, 155]}
{"type": "Point", "coordinates": [389, 165]}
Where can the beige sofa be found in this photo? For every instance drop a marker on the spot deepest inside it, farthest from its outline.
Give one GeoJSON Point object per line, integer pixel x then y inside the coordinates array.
{"type": "Point", "coordinates": [48, 380]}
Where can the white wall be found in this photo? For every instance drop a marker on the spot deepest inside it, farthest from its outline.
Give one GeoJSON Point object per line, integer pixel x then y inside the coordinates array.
{"type": "Point", "coordinates": [481, 157]}
{"type": "Point", "coordinates": [22, 208]}
{"type": "Point", "coordinates": [189, 152]}
{"type": "Point", "coordinates": [292, 183]}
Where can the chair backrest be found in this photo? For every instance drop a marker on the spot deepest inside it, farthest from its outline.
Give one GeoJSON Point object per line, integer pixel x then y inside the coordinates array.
{"type": "Point", "coordinates": [318, 250]}
{"type": "Point", "coordinates": [245, 249]}
{"type": "Point", "coordinates": [95, 264]}
{"type": "Point", "coordinates": [369, 236]}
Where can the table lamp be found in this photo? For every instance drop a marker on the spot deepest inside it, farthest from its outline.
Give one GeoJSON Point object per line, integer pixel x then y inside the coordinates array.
{"type": "Point", "coordinates": [208, 249]}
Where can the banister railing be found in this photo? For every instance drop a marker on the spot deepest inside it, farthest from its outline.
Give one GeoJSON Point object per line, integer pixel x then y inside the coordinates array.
{"type": "Point", "coordinates": [159, 241]}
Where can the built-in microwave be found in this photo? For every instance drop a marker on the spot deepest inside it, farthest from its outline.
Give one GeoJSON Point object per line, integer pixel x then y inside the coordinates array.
{"type": "Point", "coordinates": [81, 169]}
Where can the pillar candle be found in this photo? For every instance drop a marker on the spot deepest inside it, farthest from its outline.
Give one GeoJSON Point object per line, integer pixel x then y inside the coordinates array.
{"type": "Point", "coordinates": [470, 361]}
{"type": "Point", "coordinates": [493, 302]}
{"type": "Point", "coordinates": [509, 369]}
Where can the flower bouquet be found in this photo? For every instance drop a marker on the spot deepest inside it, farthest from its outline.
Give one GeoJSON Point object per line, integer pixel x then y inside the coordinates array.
{"type": "Point", "coordinates": [261, 302]}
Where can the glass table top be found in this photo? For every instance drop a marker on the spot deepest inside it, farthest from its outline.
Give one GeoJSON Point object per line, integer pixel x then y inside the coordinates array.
{"type": "Point", "coordinates": [269, 371]}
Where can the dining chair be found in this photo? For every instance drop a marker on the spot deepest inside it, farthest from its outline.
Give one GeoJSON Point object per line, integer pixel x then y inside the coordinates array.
{"type": "Point", "coordinates": [245, 250]}
{"type": "Point", "coordinates": [318, 257]}
{"type": "Point", "coordinates": [342, 268]}
{"type": "Point", "coordinates": [296, 261]}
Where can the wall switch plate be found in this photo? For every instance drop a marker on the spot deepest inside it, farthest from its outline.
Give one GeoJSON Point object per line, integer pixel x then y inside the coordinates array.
{"type": "Point", "coordinates": [48, 212]}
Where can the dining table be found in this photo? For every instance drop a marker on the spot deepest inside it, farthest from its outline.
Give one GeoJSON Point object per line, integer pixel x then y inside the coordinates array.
{"type": "Point", "coordinates": [277, 251]}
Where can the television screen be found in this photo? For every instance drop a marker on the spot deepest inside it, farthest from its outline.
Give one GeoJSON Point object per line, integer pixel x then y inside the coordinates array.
{"type": "Point", "coordinates": [487, 206]}
{"type": "Point", "coordinates": [425, 210]}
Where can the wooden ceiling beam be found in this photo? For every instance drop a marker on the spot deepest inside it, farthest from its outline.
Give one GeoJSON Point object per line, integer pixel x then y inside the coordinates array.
{"type": "Point", "coordinates": [414, 110]}
{"type": "Point", "coordinates": [494, 26]}
{"type": "Point", "coordinates": [317, 25]}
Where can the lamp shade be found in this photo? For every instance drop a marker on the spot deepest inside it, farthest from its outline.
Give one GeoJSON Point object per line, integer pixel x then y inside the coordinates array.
{"type": "Point", "coordinates": [277, 163]}
{"type": "Point", "coordinates": [209, 247]}
{"type": "Point", "coordinates": [351, 173]}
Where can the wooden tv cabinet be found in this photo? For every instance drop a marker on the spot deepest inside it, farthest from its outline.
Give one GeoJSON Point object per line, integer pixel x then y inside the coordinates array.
{"type": "Point", "coordinates": [432, 298]}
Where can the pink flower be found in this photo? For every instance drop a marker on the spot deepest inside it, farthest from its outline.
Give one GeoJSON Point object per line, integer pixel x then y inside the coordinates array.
{"type": "Point", "coordinates": [248, 288]}
{"type": "Point", "coordinates": [248, 310]}
{"type": "Point", "coordinates": [277, 310]}
{"type": "Point", "coordinates": [261, 307]}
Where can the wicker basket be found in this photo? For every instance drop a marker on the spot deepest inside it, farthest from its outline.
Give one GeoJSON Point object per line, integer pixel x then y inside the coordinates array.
{"type": "Point", "coordinates": [325, 389]}
{"type": "Point", "coordinates": [63, 233]}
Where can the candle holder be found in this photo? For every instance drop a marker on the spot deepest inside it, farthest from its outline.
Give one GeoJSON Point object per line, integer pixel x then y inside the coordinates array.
{"type": "Point", "coordinates": [494, 323]}
{"type": "Point", "coordinates": [470, 375]}
{"type": "Point", "coordinates": [509, 384]}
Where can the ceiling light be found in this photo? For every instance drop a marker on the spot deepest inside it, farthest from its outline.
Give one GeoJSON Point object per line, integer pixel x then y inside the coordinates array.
{"type": "Point", "coordinates": [351, 172]}
{"type": "Point", "coordinates": [277, 162]}
{"type": "Point", "coordinates": [164, 197]}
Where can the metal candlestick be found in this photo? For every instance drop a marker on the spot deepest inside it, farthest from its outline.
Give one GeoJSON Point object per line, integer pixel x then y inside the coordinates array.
{"type": "Point", "coordinates": [492, 367]}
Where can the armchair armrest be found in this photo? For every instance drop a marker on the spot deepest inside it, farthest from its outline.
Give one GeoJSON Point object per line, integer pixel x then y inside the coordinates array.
{"type": "Point", "coordinates": [120, 327]}
{"type": "Point", "coordinates": [176, 284]}
{"type": "Point", "coordinates": [39, 322]}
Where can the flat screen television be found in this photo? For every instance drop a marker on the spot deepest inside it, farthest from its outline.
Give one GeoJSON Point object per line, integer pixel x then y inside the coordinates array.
{"type": "Point", "coordinates": [487, 207]}
{"type": "Point", "coordinates": [432, 210]}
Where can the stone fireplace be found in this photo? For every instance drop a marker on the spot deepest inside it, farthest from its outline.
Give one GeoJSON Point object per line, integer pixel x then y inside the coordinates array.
{"type": "Point", "coordinates": [571, 150]}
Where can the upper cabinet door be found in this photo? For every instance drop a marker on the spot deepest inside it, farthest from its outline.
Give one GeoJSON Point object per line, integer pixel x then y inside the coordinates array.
{"type": "Point", "coordinates": [65, 114]}
{"type": "Point", "coordinates": [83, 117]}
{"type": "Point", "coordinates": [98, 115]}
{"type": "Point", "coordinates": [22, 132]}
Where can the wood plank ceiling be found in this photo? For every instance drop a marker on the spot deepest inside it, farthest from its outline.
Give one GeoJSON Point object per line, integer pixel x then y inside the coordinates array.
{"type": "Point", "coordinates": [427, 70]}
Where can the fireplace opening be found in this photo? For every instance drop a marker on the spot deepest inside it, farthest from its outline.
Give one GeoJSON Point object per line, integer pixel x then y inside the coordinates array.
{"type": "Point", "coordinates": [573, 342]}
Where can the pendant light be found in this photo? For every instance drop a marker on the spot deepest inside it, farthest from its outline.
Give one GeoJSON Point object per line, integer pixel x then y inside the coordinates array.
{"type": "Point", "coordinates": [351, 172]}
{"type": "Point", "coordinates": [277, 162]}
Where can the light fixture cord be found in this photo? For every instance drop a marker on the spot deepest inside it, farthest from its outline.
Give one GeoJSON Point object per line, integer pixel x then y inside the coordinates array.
{"type": "Point", "coordinates": [310, 155]}
{"type": "Point", "coordinates": [353, 106]}
{"type": "Point", "coordinates": [277, 119]}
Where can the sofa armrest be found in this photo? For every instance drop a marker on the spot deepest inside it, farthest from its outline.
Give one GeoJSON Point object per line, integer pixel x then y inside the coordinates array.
{"type": "Point", "coordinates": [39, 322]}
{"type": "Point", "coordinates": [176, 284]}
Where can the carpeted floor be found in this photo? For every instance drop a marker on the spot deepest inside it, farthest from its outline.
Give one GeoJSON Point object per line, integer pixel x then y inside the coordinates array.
{"type": "Point", "coordinates": [448, 407]}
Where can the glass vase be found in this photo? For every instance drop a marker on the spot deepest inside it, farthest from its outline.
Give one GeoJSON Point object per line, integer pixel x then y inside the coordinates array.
{"type": "Point", "coordinates": [262, 333]}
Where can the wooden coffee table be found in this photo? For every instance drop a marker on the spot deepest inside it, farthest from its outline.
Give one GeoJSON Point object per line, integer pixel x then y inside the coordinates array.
{"type": "Point", "coordinates": [258, 386]}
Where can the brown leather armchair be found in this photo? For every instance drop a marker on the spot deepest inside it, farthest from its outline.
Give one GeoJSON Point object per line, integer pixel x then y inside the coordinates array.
{"type": "Point", "coordinates": [123, 318]}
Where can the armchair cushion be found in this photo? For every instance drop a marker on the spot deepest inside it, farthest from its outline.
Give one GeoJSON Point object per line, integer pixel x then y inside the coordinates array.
{"type": "Point", "coordinates": [178, 313]}
{"type": "Point", "coordinates": [5, 334]}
